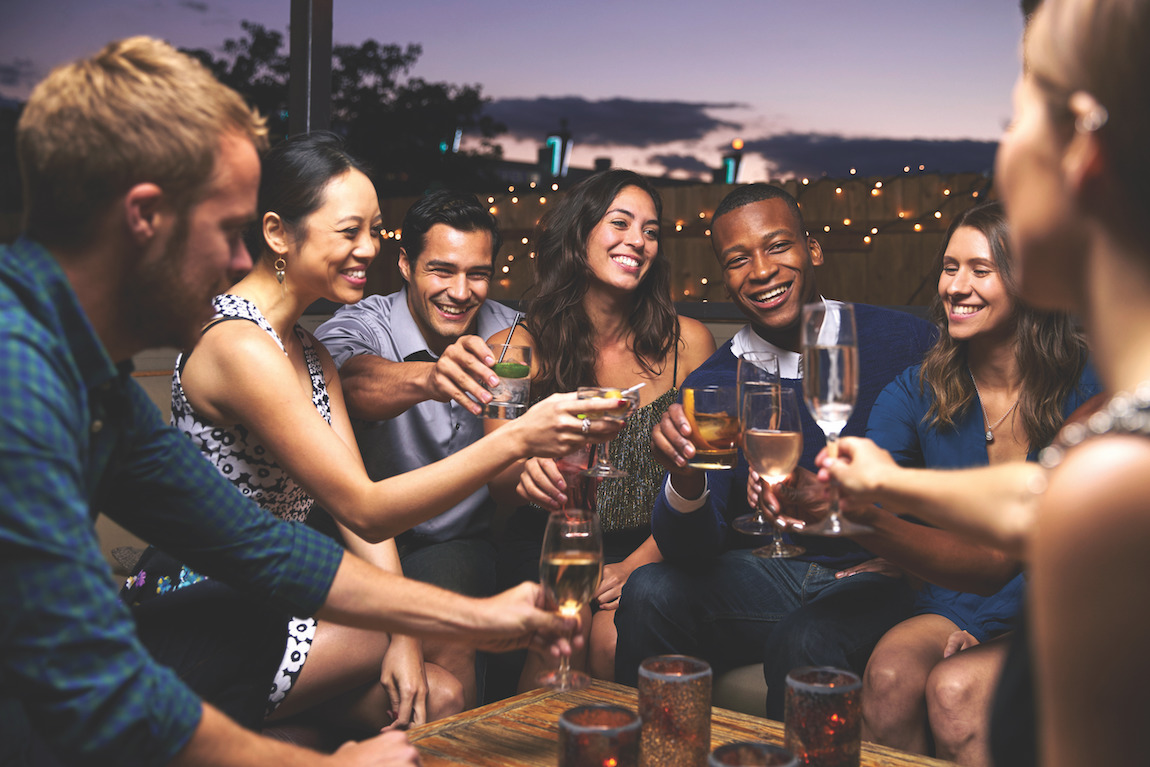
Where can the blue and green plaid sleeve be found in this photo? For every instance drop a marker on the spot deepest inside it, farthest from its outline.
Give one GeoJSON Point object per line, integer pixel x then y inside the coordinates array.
{"type": "Point", "coordinates": [171, 496]}
{"type": "Point", "coordinates": [68, 650]}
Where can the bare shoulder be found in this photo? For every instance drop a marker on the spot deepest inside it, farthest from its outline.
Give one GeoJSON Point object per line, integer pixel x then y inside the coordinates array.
{"type": "Point", "coordinates": [231, 343]}
{"type": "Point", "coordinates": [696, 343]}
{"type": "Point", "coordinates": [1100, 487]}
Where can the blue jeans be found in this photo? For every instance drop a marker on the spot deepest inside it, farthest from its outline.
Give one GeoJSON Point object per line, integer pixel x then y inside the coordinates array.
{"type": "Point", "coordinates": [738, 609]}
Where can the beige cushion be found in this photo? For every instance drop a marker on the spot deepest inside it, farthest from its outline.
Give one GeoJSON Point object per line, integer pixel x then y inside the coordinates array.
{"type": "Point", "coordinates": [742, 689]}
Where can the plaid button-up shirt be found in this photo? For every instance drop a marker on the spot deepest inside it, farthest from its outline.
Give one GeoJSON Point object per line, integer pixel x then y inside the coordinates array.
{"type": "Point", "coordinates": [77, 437]}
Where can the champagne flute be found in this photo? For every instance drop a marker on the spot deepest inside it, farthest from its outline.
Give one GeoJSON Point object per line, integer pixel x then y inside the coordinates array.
{"type": "Point", "coordinates": [756, 371]}
{"type": "Point", "coordinates": [772, 443]}
{"type": "Point", "coordinates": [603, 466]}
{"type": "Point", "coordinates": [570, 568]}
{"type": "Point", "coordinates": [830, 386]}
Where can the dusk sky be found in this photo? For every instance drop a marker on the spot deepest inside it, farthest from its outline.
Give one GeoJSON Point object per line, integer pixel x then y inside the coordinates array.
{"type": "Point", "coordinates": [811, 86]}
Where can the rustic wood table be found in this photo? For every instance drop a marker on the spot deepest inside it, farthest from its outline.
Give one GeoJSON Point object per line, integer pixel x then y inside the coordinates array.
{"type": "Point", "coordinates": [524, 731]}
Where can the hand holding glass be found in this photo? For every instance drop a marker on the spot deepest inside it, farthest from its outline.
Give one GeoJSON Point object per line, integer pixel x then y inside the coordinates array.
{"type": "Point", "coordinates": [830, 386]}
{"type": "Point", "coordinates": [772, 443]}
{"type": "Point", "coordinates": [603, 466]}
{"type": "Point", "coordinates": [570, 568]}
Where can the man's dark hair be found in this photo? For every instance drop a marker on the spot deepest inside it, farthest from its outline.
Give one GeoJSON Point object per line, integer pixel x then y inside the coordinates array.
{"type": "Point", "coordinates": [458, 210]}
{"type": "Point", "coordinates": [1029, 7]}
{"type": "Point", "coordinates": [751, 193]}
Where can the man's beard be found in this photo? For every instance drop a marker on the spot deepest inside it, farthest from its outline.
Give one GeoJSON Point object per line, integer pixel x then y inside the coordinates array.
{"type": "Point", "coordinates": [165, 311]}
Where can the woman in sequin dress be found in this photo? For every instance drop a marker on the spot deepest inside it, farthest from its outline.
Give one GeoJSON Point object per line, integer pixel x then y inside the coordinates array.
{"type": "Point", "coordinates": [601, 314]}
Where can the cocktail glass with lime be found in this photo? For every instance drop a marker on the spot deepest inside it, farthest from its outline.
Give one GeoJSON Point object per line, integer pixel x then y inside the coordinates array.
{"type": "Point", "coordinates": [510, 397]}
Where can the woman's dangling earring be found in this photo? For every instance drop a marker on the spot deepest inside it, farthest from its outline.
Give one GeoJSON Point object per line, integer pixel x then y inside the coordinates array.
{"type": "Point", "coordinates": [280, 267]}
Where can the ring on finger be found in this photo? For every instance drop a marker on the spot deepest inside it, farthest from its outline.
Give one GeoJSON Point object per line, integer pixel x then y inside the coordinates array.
{"type": "Point", "coordinates": [585, 426]}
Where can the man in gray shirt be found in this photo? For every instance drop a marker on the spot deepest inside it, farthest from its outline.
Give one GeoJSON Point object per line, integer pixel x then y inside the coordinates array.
{"type": "Point", "coordinates": [411, 364]}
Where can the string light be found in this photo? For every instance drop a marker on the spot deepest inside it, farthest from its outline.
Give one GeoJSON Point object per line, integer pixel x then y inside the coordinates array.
{"type": "Point", "coordinates": [493, 210]}
{"type": "Point", "coordinates": [510, 256]}
{"type": "Point", "coordinates": [871, 224]}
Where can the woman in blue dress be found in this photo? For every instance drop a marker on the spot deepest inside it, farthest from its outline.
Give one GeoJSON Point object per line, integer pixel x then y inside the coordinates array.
{"type": "Point", "coordinates": [995, 388]}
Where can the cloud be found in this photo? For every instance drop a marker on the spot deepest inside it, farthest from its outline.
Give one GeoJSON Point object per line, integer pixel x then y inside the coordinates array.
{"type": "Point", "coordinates": [813, 154]}
{"type": "Point", "coordinates": [684, 162]}
{"type": "Point", "coordinates": [194, 5]}
{"type": "Point", "coordinates": [610, 122]}
{"type": "Point", "coordinates": [17, 72]}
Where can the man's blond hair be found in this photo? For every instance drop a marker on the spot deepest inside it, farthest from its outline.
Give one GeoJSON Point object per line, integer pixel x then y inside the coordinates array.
{"type": "Point", "coordinates": [138, 111]}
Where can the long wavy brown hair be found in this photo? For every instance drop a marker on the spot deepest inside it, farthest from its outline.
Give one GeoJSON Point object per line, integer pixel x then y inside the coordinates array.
{"type": "Point", "coordinates": [1050, 350]}
{"type": "Point", "coordinates": [564, 338]}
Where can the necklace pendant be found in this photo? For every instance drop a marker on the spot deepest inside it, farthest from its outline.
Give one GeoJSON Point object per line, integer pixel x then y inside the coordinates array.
{"type": "Point", "coordinates": [989, 436]}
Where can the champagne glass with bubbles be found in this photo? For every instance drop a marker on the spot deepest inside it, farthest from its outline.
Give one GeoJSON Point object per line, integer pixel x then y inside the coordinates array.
{"type": "Point", "coordinates": [570, 568]}
{"type": "Point", "coordinates": [830, 387]}
{"type": "Point", "coordinates": [772, 443]}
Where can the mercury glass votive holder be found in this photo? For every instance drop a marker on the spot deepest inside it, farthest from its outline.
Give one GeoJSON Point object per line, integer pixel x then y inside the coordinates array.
{"type": "Point", "coordinates": [751, 754]}
{"type": "Point", "coordinates": [599, 736]}
{"type": "Point", "coordinates": [823, 716]}
{"type": "Point", "coordinates": [675, 705]}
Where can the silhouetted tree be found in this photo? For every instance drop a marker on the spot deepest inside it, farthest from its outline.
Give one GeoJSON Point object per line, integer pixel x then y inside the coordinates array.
{"type": "Point", "coordinates": [403, 126]}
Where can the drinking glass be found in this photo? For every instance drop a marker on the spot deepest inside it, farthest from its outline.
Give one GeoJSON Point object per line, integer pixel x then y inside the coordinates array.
{"type": "Point", "coordinates": [830, 386]}
{"type": "Point", "coordinates": [570, 567]}
{"type": "Point", "coordinates": [772, 443]}
{"type": "Point", "coordinates": [510, 397]}
{"type": "Point", "coordinates": [751, 754]}
{"type": "Point", "coordinates": [598, 735]}
{"type": "Point", "coordinates": [757, 371]}
{"type": "Point", "coordinates": [603, 466]}
{"type": "Point", "coordinates": [713, 413]}
{"type": "Point", "coordinates": [675, 706]}
{"type": "Point", "coordinates": [823, 716]}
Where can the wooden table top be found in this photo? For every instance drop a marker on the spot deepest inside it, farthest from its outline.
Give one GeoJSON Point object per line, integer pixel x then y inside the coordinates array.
{"type": "Point", "coordinates": [524, 731]}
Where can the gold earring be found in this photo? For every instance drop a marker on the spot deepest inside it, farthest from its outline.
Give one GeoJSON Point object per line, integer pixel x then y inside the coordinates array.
{"type": "Point", "coordinates": [280, 267]}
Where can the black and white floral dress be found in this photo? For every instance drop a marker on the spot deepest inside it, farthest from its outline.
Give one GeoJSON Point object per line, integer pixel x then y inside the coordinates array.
{"type": "Point", "coordinates": [253, 471]}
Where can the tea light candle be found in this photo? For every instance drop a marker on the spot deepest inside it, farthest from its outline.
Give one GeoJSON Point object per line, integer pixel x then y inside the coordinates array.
{"type": "Point", "coordinates": [599, 736]}
{"type": "Point", "coordinates": [749, 754]}
{"type": "Point", "coordinates": [675, 706]}
{"type": "Point", "coordinates": [823, 716]}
